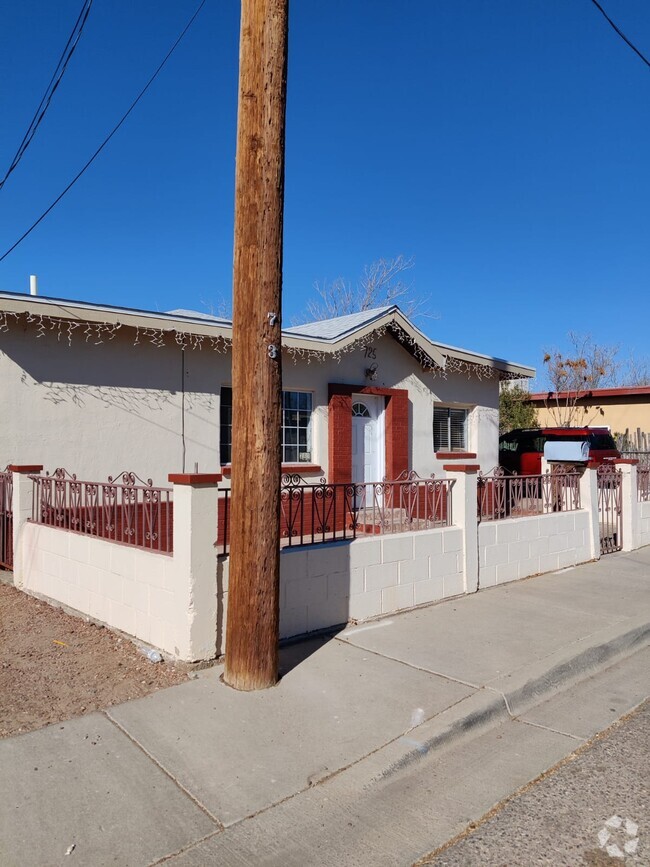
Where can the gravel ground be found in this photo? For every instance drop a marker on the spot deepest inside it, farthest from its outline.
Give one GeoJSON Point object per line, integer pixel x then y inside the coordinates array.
{"type": "Point", "coordinates": [557, 819]}
{"type": "Point", "coordinates": [54, 666]}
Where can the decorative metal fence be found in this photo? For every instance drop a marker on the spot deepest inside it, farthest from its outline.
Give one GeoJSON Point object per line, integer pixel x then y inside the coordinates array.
{"type": "Point", "coordinates": [119, 510]}
{"type": "Point", "coordinates": [643, 484]}
{"type": "Point", "coordinates": [311, 514]}
{"type": "Point", "coordinates": [6, 521]}
{"type": "Point", "coordinates": [510, 496]}
{"type": "Point", "coordinates": [610, 508]}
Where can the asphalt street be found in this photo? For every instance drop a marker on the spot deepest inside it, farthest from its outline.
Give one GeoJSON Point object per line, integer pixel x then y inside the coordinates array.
{"type": "Point", "coordinates": [592, 810]}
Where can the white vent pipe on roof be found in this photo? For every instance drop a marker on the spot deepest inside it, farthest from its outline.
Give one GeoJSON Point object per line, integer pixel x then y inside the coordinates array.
{"type": "Point", "coordinates": [33, 284]}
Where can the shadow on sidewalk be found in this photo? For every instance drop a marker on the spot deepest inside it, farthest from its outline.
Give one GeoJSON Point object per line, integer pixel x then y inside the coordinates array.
{"type": "Point", "coordinates": [297, 650]}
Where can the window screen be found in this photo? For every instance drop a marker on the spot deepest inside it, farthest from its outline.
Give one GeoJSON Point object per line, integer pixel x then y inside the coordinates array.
{"type": "Point", "coordinates": [449, 429]}
{"type": "Point", "coordinates": [296, 426]}
{"type": "Point", "coordinates": [225, 425]}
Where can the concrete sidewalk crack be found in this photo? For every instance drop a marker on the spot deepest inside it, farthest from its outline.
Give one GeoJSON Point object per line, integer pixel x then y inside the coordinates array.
{"type": "Point", "coordinates": [326, 779]}
{"type": "Point", "coordinates": [186, 792]}
{"type": "Point", "coordinates": [504, 697]}
{"type": "Point", "coordinates": [408, 664]}
{"type": "Point", "coordinates": [185, 848]}
{"type": "Point", "coordinates": [535, 725]}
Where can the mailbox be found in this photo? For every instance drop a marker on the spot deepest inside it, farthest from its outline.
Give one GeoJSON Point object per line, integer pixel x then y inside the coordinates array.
{"type": "Point", "coordinates": [569, 452]}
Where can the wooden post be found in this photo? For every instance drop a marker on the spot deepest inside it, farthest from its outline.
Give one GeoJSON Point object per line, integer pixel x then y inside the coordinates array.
{"type": "Point", "coordinates": [252, 627]}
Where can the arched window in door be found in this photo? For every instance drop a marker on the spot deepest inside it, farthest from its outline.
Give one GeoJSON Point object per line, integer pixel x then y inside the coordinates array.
{"type": "Point", "coordinates": [360, 410]}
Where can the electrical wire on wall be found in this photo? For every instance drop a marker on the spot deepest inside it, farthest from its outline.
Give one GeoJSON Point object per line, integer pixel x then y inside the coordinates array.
{"type": "Point", "coordinates": [183, 403]}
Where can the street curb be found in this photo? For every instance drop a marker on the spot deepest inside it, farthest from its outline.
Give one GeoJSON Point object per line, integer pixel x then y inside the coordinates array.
{"type": "Point", "coordinates": [539, 681]}
{"type": "Point", "coordinates": [480, 711]}
{"type": "Point", "coordinates": [492, 706]}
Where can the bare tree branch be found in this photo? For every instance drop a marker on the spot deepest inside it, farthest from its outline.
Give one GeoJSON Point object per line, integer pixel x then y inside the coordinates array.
{"type": "Point", "coordinates": [380, 285]}
{"type": "Point", "coordinates": [587, 366]}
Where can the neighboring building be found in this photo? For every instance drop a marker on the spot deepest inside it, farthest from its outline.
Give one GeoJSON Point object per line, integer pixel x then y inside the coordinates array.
{"type": "Point", "coordinates": [621, 409]}
{"type": "Point", "coordinates": [100, 390]}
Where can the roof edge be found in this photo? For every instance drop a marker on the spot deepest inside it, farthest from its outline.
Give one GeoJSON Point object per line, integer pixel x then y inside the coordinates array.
{"type": "Point", "coordinates": [618, 391]}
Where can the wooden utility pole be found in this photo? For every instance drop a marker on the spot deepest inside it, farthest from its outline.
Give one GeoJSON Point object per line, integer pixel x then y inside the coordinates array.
{"type": "Point", "coordinates": [253, 593]}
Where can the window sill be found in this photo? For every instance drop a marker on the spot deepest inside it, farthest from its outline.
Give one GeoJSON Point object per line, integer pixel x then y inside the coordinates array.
{"type": "Point", "coordinates": [309, 469]}
{"type": "Point", "coordinates": [455, 456]}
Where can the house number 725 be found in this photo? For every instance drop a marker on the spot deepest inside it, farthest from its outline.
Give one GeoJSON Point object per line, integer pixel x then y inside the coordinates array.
{"type": "Point", "coordinates": [370, 352]}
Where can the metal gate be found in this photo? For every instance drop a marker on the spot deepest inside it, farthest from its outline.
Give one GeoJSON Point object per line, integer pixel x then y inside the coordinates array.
{"type": "Point", "coordinates": [610, 513]}
{"type": "Point", "coordinates": [6, 521]}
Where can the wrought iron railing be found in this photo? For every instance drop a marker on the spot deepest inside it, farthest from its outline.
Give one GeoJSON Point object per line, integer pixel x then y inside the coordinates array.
{"type": "Point", "coordinates": [643, 484]}
{"type": "Point", "coordinates": [6, 520]}
{"type": "Point", "coordinates": [311, 514]}
{"type": "Point", "coordinates": [510, 496]}
{"type": "Point", "coordinates": [119, 510]}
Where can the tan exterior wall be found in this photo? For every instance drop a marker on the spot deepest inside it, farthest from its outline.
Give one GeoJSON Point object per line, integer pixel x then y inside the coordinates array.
{"type": "Point", "coordinates": [101, 408]}
{"type": "Point", "coordinates": [615, 414]}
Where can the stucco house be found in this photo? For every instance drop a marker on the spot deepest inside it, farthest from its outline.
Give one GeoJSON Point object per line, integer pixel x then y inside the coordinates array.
{"type": "Point", "coordinates": [624, 409]}
{"type": "Point", "coordinates": [100, 389]}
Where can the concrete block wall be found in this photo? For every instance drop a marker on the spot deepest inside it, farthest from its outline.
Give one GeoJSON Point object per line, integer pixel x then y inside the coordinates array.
{"type": "Point", "coordinates": [326, 585]}
{"type": "Point", "coordinates": [168, 601]}
{"type": "Point", "coordinates": [520, 547]}
{"type": "Point", "coordinates": [330, 584]}
{"type": "Point", "coordinates": [178, 602]}
{"type": "Point", "coordinates": [643, 524]}
{"type": "Point", "coordinates": [130, 589]}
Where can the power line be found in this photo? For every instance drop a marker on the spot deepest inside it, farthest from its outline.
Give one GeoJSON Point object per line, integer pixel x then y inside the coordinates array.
{"type": "Point", "coordinates": [57, 75]}
{"type": "Point", "coordinates": [109, 136]}
{"type": "Point", "coordinates": [620, 33]}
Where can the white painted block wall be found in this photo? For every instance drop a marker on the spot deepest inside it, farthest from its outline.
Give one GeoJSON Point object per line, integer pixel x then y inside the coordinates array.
{"type": "Point", "coordinates": [142, 593]}
{"type": "Point", "coordinates": [330, 584]}
{"type": "Point", "coordinates": [325, 585]}
{"type": "Point", "coordinates": [520, 547]}
{"type": "Point", "coordinates": [643, 524]}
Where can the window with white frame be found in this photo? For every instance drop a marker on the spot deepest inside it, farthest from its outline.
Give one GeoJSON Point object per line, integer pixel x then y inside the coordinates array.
{"type": "Point", "coordinates": [225, 425]}
{"type": "Point", "coordinates": [449, 429]}
{"type": "Point", "coordinates": [296, 426]}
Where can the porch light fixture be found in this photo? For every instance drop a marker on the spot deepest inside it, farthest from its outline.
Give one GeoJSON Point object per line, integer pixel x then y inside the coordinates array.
{"type": "Point", "coordinates": [371, 372]}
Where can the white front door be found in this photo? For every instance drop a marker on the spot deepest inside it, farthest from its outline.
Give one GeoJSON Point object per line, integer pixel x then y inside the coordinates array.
{"type": "Point", "coordinates": [368, 442]}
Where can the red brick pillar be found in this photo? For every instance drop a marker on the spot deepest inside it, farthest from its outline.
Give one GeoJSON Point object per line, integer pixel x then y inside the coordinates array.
{"type": "Point", "coordinates": [397, 434]}
{"type": "Point", "coordinates": [340, 438]}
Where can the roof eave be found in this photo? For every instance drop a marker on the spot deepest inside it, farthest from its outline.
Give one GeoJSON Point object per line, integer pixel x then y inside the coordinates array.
{"type": "Point", "coordinates": [79, 311]}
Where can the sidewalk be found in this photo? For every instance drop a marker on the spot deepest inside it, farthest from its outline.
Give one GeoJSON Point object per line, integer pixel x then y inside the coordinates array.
{"type": "Point", "coordinates": [375, 745]}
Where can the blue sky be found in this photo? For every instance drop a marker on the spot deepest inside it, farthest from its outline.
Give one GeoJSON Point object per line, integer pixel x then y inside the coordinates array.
{"type": "Point", "coordinates": [504, 145]}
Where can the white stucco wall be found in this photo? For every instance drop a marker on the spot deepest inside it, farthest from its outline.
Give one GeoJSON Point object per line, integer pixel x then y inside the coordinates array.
{"type": "Point", "coordinates": [397, 369]}
{"type": "Point", "coordinates": [101, 409]}
{"type": "Point", "coordinates": [519, 547]}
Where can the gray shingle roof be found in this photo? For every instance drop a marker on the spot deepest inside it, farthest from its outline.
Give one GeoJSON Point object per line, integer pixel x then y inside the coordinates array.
{"type": "Point", "coordinates": [194, 314]}
{"type": "Point", "coordinates": [334, 329]}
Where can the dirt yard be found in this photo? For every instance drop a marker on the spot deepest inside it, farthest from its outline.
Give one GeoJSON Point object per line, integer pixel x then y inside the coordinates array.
{"type": "Point", "coordinates": [54, 666]}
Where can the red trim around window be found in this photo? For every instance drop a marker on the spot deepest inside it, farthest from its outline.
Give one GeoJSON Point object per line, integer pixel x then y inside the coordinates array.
{"type": "Point", "coordinates": [446, 456]}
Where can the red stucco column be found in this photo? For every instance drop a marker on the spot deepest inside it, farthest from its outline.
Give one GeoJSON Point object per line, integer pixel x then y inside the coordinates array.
{"type": "Point", "coordinates": [397, 433]}
{"type": "Point", "coordinates": [339, 438]}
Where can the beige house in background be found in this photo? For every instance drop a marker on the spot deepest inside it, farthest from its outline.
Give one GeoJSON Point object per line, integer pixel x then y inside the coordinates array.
{"type": "Point", "coordinates": [621, 409]}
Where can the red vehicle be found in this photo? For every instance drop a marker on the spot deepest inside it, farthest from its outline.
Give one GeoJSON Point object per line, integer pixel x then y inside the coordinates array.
{"type": "Point", "coordinates": [521, 451]}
